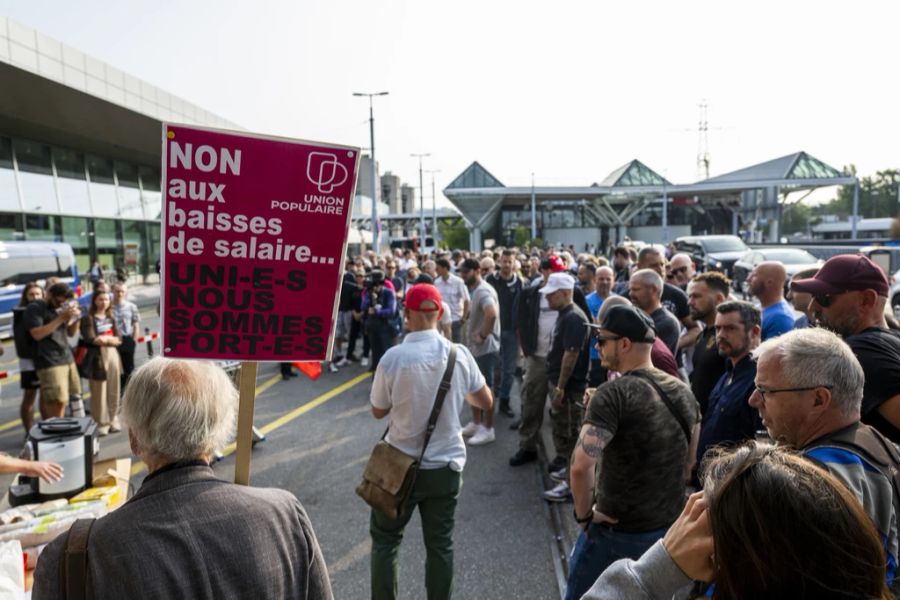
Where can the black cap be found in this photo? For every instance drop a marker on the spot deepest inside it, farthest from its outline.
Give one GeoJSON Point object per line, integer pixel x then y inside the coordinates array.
{"type": "Point", "coordinates": [375, 277]}
{"type": "Point", "coordinates": [631, 323]}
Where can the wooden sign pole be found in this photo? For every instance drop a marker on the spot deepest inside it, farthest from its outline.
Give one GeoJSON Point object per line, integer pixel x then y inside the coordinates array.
{"type": "Point", "coordinates": [245, 423]}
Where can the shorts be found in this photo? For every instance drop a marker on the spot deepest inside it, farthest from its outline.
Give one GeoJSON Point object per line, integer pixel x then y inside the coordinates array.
{"type": "Point", "coordinates": [342, 330]}
{"type": "Point", "coordinates": [59, 383]}
{"type": "Point", "coordinates": [28, 380]}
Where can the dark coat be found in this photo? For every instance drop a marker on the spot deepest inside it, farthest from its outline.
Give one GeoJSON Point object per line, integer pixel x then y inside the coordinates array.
{"type": "Point", "coordinates": [92, 366]}
{"type": "Point", "coordinates": [188, 534]}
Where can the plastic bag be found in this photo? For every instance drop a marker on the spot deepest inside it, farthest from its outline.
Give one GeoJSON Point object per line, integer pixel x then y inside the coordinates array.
{"type": "Point", "coordinates": [12, 570]}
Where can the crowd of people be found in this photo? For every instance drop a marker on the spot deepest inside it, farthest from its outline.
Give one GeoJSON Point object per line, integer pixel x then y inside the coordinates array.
{"type": "Point", "coordinates": [659, 382]}
{"type": "Point", "coordinates": [58, 346]}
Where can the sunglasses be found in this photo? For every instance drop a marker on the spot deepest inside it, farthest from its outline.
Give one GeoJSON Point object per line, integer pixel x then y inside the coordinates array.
{"type": "Point", "coordinates": [602, 340]}
{"type": "Point", "coordinates": [679, 270]}
{"type": "Point", "coordinates": [826, 300]}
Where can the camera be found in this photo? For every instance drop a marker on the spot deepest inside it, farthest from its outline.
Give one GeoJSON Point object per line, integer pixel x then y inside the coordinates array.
{"type": "Point", "coordinates": [373, 278]}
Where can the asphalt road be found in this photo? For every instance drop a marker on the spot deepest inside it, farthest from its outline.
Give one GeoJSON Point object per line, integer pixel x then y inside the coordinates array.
{"type": "Point", "coordinates": [319, 435]}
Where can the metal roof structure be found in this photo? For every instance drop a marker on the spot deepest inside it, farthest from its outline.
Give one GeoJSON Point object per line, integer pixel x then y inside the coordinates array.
{"type": "Point", "coordinates": [631, 188]}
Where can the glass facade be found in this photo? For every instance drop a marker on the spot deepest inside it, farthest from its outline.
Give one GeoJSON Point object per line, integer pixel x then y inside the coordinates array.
{"type": "Point", "coordinates": [95, 204]}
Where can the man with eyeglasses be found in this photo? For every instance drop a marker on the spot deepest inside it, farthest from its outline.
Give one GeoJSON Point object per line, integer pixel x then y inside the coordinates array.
{"type": "Point", "coordinates": [848, 297]}
{"type": "Point", "coordinates": [728, 419]}
{"type": "Point", "coordinates": [682, 270]}
{"type": "Point", "coordinates": [808, 391]}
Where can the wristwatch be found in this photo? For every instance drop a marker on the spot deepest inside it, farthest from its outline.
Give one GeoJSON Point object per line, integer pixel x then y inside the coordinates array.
{"type": "Point", "coordinates": [585, 519]}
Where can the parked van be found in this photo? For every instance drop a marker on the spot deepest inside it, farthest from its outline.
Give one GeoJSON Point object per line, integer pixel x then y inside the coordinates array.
{"type": "Point", "coordinates": [21, 262]}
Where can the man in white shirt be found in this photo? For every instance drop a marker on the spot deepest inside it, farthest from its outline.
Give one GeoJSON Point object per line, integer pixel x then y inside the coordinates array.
{"type": "Point", "coordinates": [405, 386]}
{"type": "Point", "coordinates": [454, 292]}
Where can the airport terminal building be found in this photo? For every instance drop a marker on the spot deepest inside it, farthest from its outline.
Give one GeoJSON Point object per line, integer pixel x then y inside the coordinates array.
{"type": "Point", "coordinates": [80, 151]}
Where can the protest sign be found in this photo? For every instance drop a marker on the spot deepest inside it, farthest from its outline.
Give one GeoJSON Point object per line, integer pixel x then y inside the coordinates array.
{"type": "Point", "coordinates": [254, 233]}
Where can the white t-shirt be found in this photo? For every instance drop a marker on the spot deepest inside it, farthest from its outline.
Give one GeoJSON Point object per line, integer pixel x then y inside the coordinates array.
{"type": "Point", "coordinates": [406, 382]}
{"type": "Point", "coordinates": [454, 292]}
{"type": "Point", "coordinates": [546, 324]}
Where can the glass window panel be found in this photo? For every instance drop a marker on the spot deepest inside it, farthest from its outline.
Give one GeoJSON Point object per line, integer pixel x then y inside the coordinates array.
{"type": "Point", "coordinates": [133, 233]}
{"type": "Point", "coordinates": [11, 227]}
{"type": "Point", "coordinates": [107, 243]}
{"type": "Point", "coordinates": [42, 228]}
{"type": "Point", "coordinates": [73, 189]}
{"type": "Point", "coordinates": [150, 184]}
{"type": "Point", "coordinates": [35, 175]}
{"type": "Point", "coordinates": [129, 193]}
{"type": "Point", "coordinates": [153, 231]}
{"type": "Point", "coordinates": [9, 195]}
{"type": "Point", "coordinates": [103, 189]}
{"type": "Point", "coordinates": [76, 234]}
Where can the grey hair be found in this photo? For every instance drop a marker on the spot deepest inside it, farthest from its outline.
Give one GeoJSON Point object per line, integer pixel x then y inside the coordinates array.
{"type": "Point", "coordinates": [815, 356]}
{"type": "Point", "coordinates": [179, 409]}
{"type": "Point", "coordinates": [650, 278]}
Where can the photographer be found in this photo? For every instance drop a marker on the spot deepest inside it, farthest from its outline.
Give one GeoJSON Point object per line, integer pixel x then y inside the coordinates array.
{"type": "Point", "coordinates": [379, 305]}
{"type": "Point", "coordinates": [50, 322]}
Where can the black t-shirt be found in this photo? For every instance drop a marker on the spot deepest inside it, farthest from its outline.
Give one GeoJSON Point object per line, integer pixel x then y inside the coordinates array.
{"type": "Point", "coordinates": [570, 333]}
{"type": "Point", "coordinates": [708, 367]}
{"type": "Point", "coordinates": [667, 327]}
{"type": "Point", "coordinates": [508, 296]}
{"type": "Point", "coordinates": [53, 350]}
{"type": "Point", "coordinates": [641, 480]}
{"type": "Point", "coordinates": [878, 351]}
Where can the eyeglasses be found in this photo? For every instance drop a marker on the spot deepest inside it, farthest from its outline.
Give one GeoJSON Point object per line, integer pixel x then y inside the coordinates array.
{"type": "Point", "coordinates": [763, 392]}
{"type": "Point", "coordinates": [825, 300]}
{"type": "Point", "coordinates": [602, 340]}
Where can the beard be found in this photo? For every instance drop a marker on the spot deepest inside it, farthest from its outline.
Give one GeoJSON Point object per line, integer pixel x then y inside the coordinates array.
{"type": "Point", "coordinates": [844, 327]}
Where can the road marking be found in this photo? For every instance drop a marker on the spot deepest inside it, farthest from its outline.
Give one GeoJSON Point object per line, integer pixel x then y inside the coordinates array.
{"type": "Point", "coordinates": [353, 412]}
{"type": "Point", "coordinates": [286, 418]}
{"type": "Point", "coordinates": [356, 554]}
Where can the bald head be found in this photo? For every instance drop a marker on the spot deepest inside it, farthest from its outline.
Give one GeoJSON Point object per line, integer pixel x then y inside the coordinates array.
{"type": "Point", "coordinates": [609, 303]}
{"type": "Point", "coordinates": [682, 268]}
{"type": "Point", "coordinates": [766, 282]}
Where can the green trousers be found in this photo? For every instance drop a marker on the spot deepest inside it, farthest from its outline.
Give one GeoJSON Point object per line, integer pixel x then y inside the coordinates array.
{"type": "Point", "coordinates": [435, 493]}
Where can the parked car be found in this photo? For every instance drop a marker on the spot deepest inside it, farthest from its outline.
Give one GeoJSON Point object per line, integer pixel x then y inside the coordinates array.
{"type": "Point", "coordinates": [793, 259]}
{"type": "Point", "coordinates": [22, 262]}
{"type": "Point", "coordinates": [895, 292]}
{"type": "Point", "coordinates": [712, 252]}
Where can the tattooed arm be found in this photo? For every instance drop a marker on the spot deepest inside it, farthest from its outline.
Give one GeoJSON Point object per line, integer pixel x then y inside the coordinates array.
{"type": "Point", "coordinates": [591, 442]}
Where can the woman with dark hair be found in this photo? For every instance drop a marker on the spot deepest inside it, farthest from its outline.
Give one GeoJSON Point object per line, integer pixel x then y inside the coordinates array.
{"type": "Point", "coordinates": [102, 365]}
{"type": "Point", "coordinates": [25, 348]}
{"type": "Point", "coordinates": [769, 524]}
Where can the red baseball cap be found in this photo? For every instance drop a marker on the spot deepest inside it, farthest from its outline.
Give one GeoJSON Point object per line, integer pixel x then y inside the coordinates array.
{"type": "Point", "coordinates": [844, 273]}
{"type": "Point", "coordinates": [423, 297]}
{"type": "Point", "coordinates": [554, 263]}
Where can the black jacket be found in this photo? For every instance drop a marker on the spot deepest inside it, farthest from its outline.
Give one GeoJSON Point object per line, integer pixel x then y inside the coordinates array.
{"type": "Point", "coordinates": [529, 311]}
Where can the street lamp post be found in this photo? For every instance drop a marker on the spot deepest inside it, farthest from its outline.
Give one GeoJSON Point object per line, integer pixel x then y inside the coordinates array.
{"type": "Point", "coordinates": [434, 229]}
{"type": "Point", "coordinates": [421, 197]}
{"type": "Point", "coordinates": [374, 174]}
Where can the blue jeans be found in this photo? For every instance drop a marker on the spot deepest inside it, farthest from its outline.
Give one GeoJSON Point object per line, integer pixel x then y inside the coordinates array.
{"type": "Point", "coordinates": [509, 347]}
{"type": "Point", "coordinates": [486, 364]}
{"type": "Point", "coordinates": [600, 547]}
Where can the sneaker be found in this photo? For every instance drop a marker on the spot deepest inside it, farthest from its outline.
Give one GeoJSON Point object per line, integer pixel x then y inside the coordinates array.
{"type": "Point", "coordinates": [560, 493]}
{"type": "Point", "coordinates": [343, 362]}
{"type": "Point", "coordinates": [482, 436]}
{"type": "Point", "coordinates": [505, 410]}
{"type": "Point", "coordinates": [470, 429]}
{"type": "Point", "coordinates": [77, 407]}
{"type": "Point", "coordinates": [332, 367]}
{"type": "Point", "coordinates": [103, 430]}
{"type": "Point", "coordinates": [557, 463]}
{"type": "Point", "coordinates": [522, 457]}
{"type": "Point", "coordinates": [364, 362]}
{"type": "Point", "coordinates": [560, 475]}
{"type": "Point", "coordinates": [115, 427]}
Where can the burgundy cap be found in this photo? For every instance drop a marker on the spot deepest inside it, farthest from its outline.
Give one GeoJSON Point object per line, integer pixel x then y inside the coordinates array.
{"type": "Point", "coordinates": [423, 297]}
{"type": "Point", "coordinates": [843, 273]}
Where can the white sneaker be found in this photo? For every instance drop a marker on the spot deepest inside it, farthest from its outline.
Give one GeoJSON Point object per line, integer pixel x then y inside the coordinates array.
{"type": "Point", "coordinates": [482, 436]}
{"type": "Point", "coordinates": [332, 367]}
{"type": "Point", "coordinates": [343, 362]}
{"type": "Point", "coordinates": [470, 429]}
{"type": "Point", "coordinates": [364, 362]}
{"type": "Point", "coordinates": [560, 493]}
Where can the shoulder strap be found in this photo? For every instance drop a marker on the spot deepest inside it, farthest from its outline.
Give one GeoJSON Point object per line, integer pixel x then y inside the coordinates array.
{"type": "Point", "coordinates": [74, 562]}
{"type": "Point", "coordinates": [872, 446]}
{"type": "Point", "coordinates": [678, 416]}
{"type": "Point", "coordinates": [443, 388]}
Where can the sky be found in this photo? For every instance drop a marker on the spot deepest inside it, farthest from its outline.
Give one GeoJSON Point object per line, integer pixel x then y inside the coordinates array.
{"type": "Point", "coordinates": [566, 91]}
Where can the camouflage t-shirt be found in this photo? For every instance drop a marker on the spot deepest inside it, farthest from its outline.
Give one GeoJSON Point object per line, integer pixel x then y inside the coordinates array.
{"type": "Point", "coordinates": [641, 476]}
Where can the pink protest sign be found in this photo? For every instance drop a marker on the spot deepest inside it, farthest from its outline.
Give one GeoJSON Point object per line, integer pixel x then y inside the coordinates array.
{"type": "Point", "coordinates": [254, 232]}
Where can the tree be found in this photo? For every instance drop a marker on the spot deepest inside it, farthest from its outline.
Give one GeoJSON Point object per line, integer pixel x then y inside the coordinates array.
{"type": "Point", "coordinates": [878, 195]}
{"type": "Point", "coordinates": [455, 236]}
